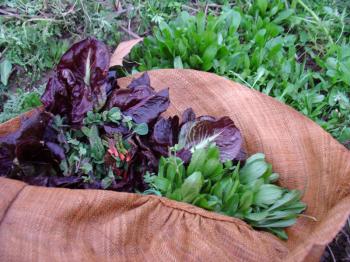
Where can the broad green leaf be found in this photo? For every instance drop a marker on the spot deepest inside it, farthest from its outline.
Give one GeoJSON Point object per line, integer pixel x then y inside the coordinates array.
{"type": "Point", "coordinates": [211, 167]}
{"type": "Point", "coordinates": [262, 4]}
{"type": "Point", "coordinates": [198, 159]}
{"type": "Point", "coordinates": [5, 71]}
{"type": "Point", "coordinates": [273, 177]}
{"type": "Point", "coordinates": [231, 191]}
{"type": "Point", "coordinates": [279, 232]}
{"type": "Point", "coordinates": [182, 47]}
{"type": "Point", "coordinates": [141, 129]}
{"type": "Point", "coordinates": [267, 194]}
{"type": "Point", "coordinates": [200, 20]}
{"type": "Point", "coordinates": [178, 63]}
{"type": "Point", "coordinates": [257, 156]}
{"type": "Point", "coordinates": [231, 205]}
{"type": "Point", "coordinates": [208, 56]}
{"type": "Point", "coordinates": [97, 148]}
{"type": "Point", "coordinates": [86, 168]}
{"type": "Point", "coordinates": [287, 214]}
{"type": "Point", "coordinates": [345, 135]}
{"type": "Point", "coordinates": [256, 184]}
{"type": "Point", "coordinates": [219, 187]}
{"type": "Point", "coordinates": [217, 173]}
{"type": "Point", "coordinates": [195, 61]}
{"type": "Point", "coordinates": [208, 202]}
{"type": "Point", "coordinates": [191, 187]}
{"type": "Point", "coordinates": [252, 171]}
{"type": "Point", "coordinates": [114, 115]}
{"type": "Point", "coordinates": [106, 182]}
{"type": "Point", "coordinates": [162, 184]}
{"type": "Point", "coordinates": [171, 171]}
{"type": "Point", "coordinates": [260, 37]}
{"type": "Point", "coordinates": [287, 198]}
{"type": "Point", "coordinates": [220, 38]}
{"type": "Point", "coordinates": [161, 166]}
{"type": "Point", "coordinates": [256, 216]}
{"type": "Point", "coordinates": [176, 195]}
{"type": "Point", "coordinates": [213, 152]}
{"type": "Point", "coordinates": [236, 19]}
{"type": "Point", "coordinates": [283, 15]}
{"type": "Point", "coordinates": [281, 223]}
{"type": "Point", "coordinates": [246, 200]}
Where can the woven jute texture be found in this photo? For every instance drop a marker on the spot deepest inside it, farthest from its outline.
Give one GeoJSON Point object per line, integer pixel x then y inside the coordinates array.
{"type": "Point", "coordinates": [50, 224]}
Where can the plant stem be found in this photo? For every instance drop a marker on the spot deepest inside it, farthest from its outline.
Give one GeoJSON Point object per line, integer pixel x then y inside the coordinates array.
{"type": "Point", "coordinates": [315, 16]}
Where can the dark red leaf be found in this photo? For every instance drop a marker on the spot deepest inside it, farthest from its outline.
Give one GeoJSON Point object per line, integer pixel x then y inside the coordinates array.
{"type": "Point", "coordinates": [126, 98]}
{"type": "Point", "coordinates": [142, 82]}
{"type": "Point", "coordinates": [188, 115]}
{"type": "Point", "coordinates": [205, 130]}
{"type": "Point", "coordinates": [150, 108]}
{"type": "Point", "coordinates": [80, 81]}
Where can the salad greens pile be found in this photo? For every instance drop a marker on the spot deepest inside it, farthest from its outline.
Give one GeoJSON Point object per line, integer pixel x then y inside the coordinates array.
{"type": "Point", "coordinates": [247, 193]}
{"type": "Point", "coordinates": [93, 134]}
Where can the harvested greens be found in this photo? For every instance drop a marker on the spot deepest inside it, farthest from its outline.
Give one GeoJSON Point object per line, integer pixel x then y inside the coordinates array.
{"type": "Point", "coordinates": [246, 193]}
{"type": "Point", "coordinates": [92, 134]}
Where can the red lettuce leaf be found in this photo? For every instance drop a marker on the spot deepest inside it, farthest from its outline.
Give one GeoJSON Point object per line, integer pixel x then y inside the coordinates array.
{"type": "Point", "coordinates": [205, 130]}
{"type": "Point", "coordinates": [80, 82]}
{"type": "Point", "coordinates": [142, 82]}
{"type": "Point", "coordinates": [188, 115]}
{"type": "Point", "coordinates": [140, 101]}
{"type": "Point", "coordinates": [164, 135]}
{"type": "Point", "coordinates": [150, 108]}
{"type": "Point", "coordinates": [126, 98]}
{"type": "Point", "coordinates": [24, 154]}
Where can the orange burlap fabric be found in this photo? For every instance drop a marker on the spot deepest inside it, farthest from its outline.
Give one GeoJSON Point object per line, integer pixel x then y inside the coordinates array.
{"type": "Point", "coordinates": [48, 224]}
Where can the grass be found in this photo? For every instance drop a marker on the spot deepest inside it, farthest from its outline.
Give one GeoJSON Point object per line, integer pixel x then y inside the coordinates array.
{"type": "Point", "coordinates": [297, 51]}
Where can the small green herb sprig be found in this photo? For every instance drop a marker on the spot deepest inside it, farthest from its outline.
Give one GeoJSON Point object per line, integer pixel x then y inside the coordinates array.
{"type": "Point", "coordinates": [246, 193]}
{"type": "Point", "coordinates": [96, 157]}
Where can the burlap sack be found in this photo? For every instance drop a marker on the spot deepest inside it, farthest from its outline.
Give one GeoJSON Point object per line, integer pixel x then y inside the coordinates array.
{"type": "Point", "coordinates": [48, 224]}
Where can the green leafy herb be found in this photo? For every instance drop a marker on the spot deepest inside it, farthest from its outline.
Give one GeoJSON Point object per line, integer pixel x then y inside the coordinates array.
{"type": "Point", "coordinates": [98, 159]}
{"type": "Point", "coordinates": [245, 193]}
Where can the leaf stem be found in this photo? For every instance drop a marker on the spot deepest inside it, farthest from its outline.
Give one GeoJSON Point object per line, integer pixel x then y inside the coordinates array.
{"type": "Point", "coordinates": [315, 16]}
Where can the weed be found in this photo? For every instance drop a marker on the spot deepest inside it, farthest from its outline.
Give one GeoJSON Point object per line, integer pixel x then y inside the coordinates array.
{"type": "Point", "coordinates": [258, 43]}
{"type": "Point", "coordinates": [20, 102]}
{"type": "Point", "coordinates": [34, 34]}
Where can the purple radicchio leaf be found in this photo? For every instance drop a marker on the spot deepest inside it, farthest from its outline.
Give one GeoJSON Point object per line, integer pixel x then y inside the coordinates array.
{"type": "Point", "coordinates": [24, 153]}
{"type": "Point", "coordinates": [126, 98]}
{"type": "Point", "coordinates": [188, 115]}
{"type": "Point", "coordinates": [80, 81]}
{"type": "Point", "coordinates": [165, 134]}
{"type": "Point", "coordinates": [140, 101]}
{"type": "Point", "coordinates": [142, 82]}
{"type": "Point", "coordinates": [206, 130]}
{"type": "Point", "coordinates": [150, 108]}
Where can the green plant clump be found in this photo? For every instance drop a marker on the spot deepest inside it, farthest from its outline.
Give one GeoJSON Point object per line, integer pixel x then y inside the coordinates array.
{"type": "Point", "coordinates": [247, 193]}
{"type": "Point", "coordinates": [285, 51]}
{"type": "Point", "coordinates": [20, 102]}
{"type": "Point", "coordinates": [86, 148]}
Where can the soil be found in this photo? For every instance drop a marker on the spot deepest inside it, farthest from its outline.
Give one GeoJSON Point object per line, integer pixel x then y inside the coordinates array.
{"type": "Point", "coordinates": [339, 248]}
{"type": "Point", "coordinates": [310, 63]}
